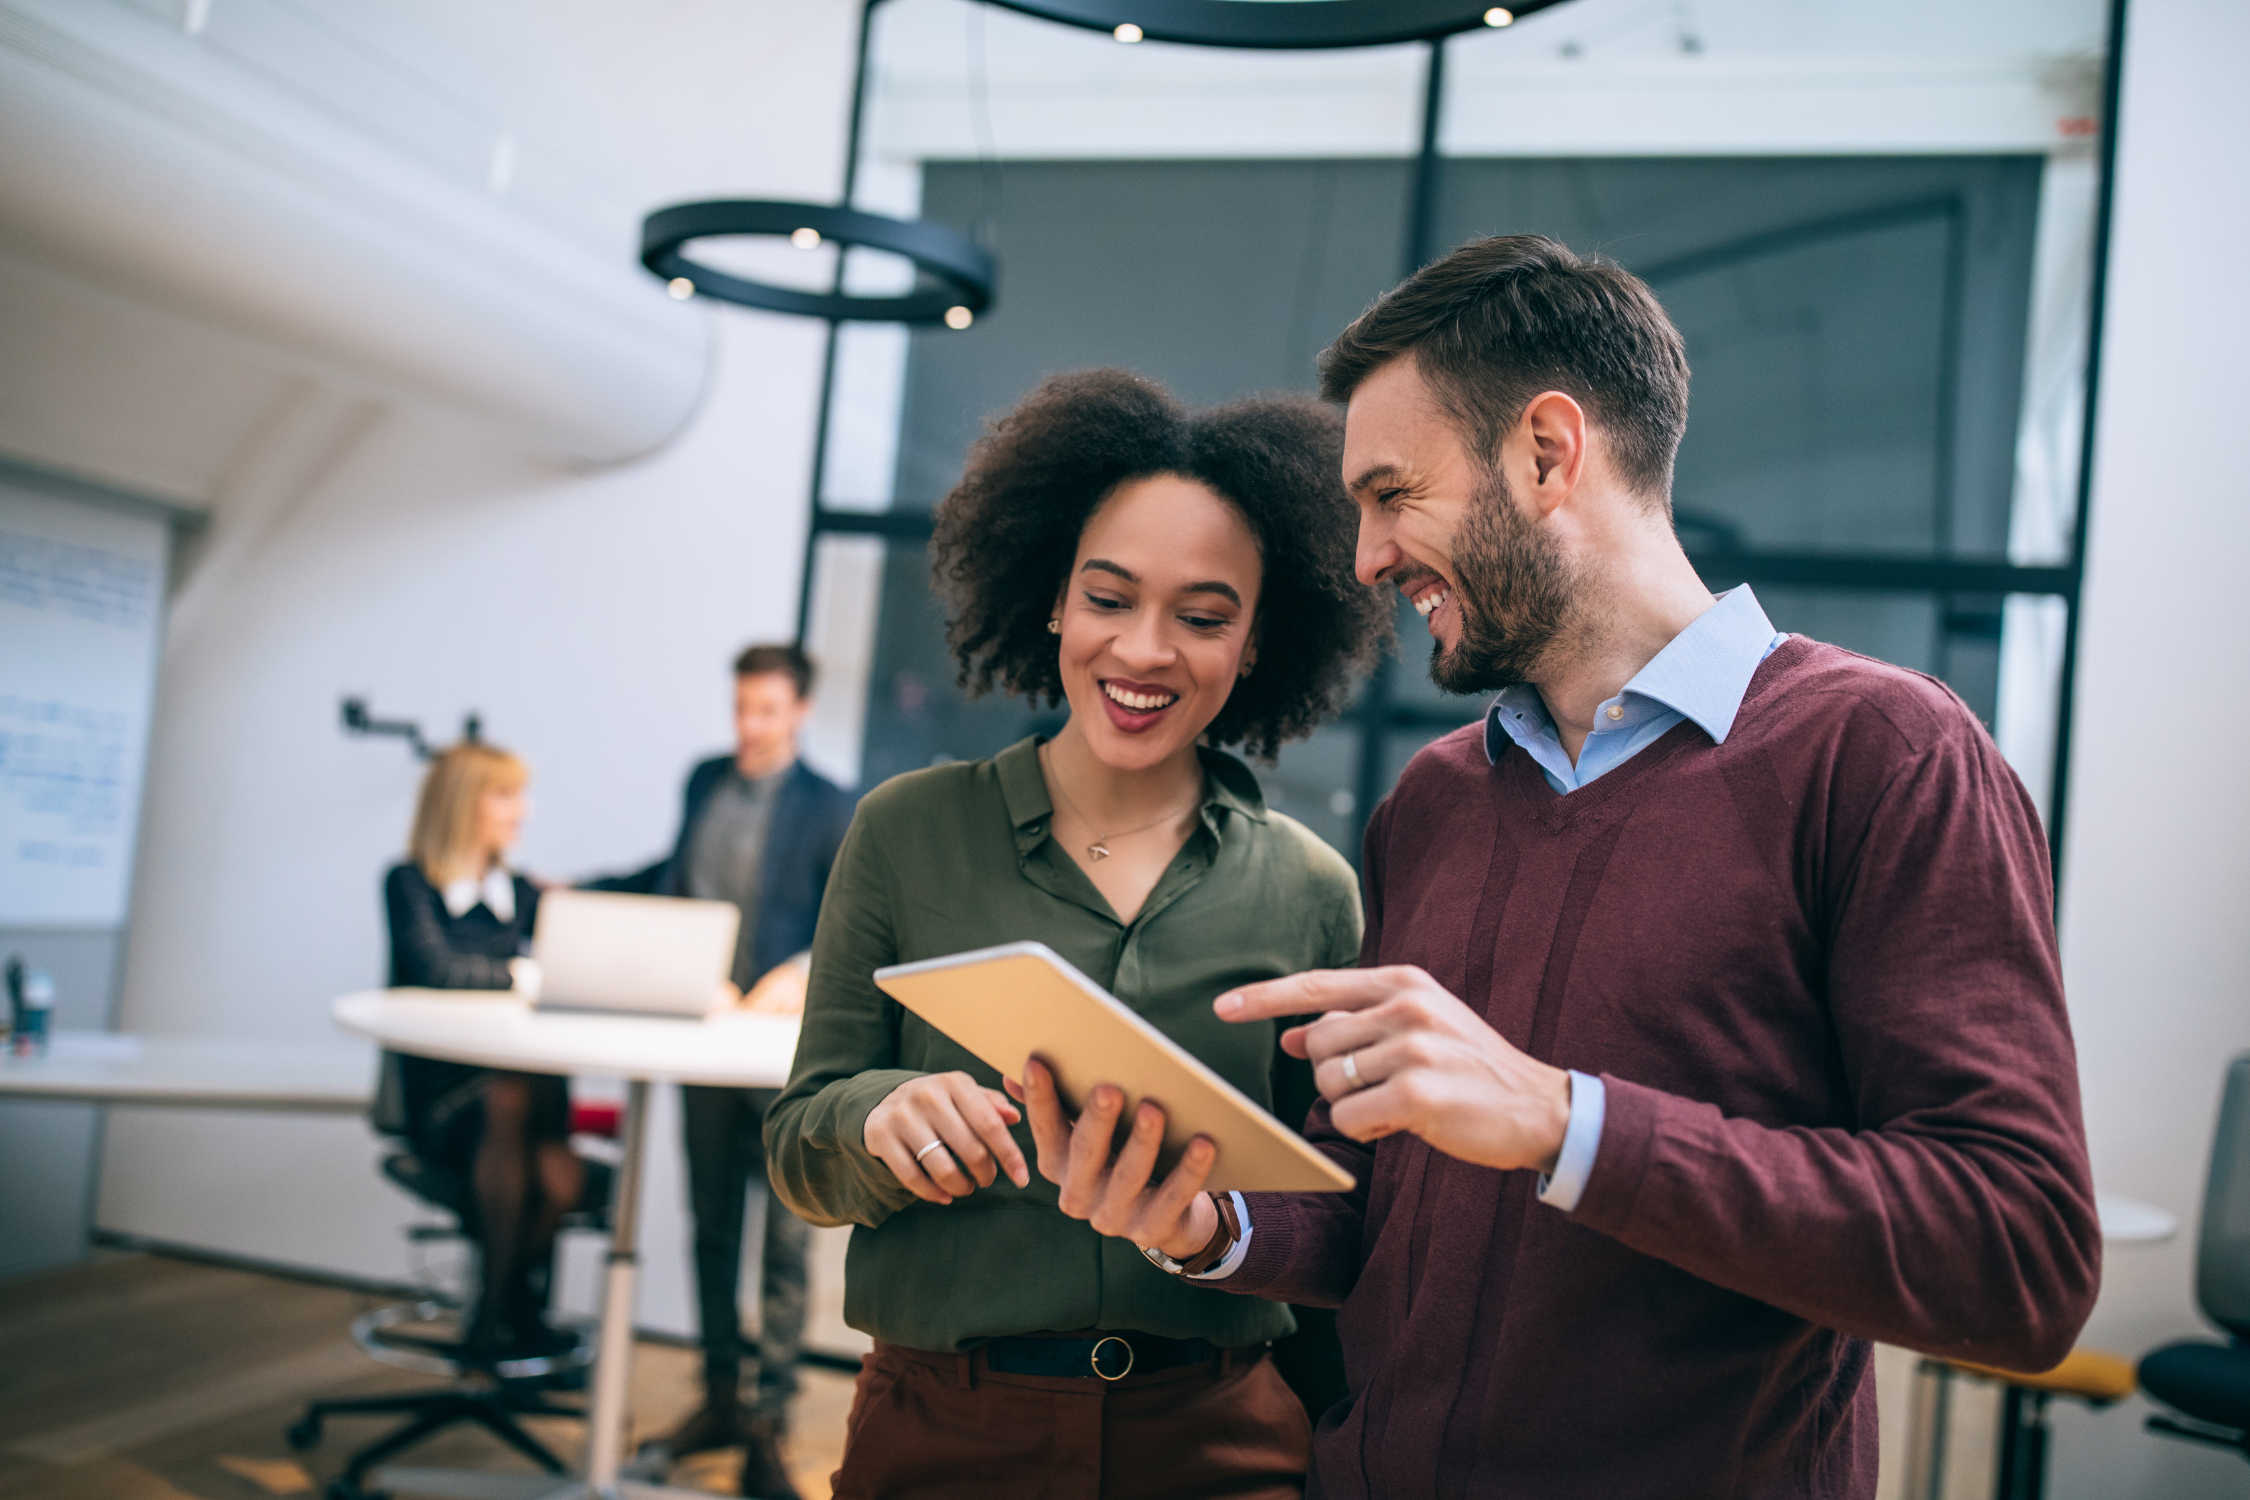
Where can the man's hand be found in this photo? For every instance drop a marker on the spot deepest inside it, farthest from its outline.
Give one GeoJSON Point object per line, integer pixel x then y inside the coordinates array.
{"type": "Point", "coordinates": [1117, 1198]}
{"type": "Point", "coordinates": [944, 1135]}
{"type": "Point", "coordinates": [1418, 1061]}
{"type": "Point", "coordinates": [780, 993]}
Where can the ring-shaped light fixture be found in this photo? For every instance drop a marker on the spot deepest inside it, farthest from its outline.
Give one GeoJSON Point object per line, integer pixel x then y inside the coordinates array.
{"type": "Point", "coordinates": [1278, 23]}
{"type": "Point", "coordinates": [946, 254]}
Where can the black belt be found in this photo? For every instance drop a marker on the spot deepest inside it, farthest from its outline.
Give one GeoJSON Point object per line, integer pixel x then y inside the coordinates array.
{"type": "Point", "coordinates": [1105, 1356]}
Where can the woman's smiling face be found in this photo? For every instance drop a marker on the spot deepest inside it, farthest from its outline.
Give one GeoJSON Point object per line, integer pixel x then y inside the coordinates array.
{"type": "Point", "coordinates": [1157, 618]}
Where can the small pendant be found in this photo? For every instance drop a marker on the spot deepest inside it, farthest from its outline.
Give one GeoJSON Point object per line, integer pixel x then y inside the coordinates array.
{"type": "Point", "coordinates": [1099, 850]}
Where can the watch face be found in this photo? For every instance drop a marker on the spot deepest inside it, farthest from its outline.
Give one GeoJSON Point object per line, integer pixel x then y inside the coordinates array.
{"type": "Point", "coordinates": [1277, 23]}
{"type": "Point", "coordinates": [1160, 1260]}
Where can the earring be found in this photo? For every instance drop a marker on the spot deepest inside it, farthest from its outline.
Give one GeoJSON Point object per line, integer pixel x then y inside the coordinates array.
{"type": "Point", "coordinates": [1054, 627]}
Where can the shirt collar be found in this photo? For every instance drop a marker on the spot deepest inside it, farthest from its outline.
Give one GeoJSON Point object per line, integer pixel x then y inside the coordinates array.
{"type": "Point", "coordinates": [497, 891]}
{"type": "Point", "coordinates": [762, 784]}
{"type": "Point", "coordinates": [1701, 675]}
{"type": "Point", "coordinates": [1704, 672]}
{"type": "Point", "coordinates": [1227, 784]}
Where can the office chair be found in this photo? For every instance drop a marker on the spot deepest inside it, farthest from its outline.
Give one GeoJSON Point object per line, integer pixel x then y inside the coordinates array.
{"type": "Point", "coordinates": [493, 1400]}
{"type": "Point", "coordinates": [2207, 1384]}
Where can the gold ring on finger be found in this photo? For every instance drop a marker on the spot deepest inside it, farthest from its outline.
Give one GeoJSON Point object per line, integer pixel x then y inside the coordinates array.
{"type": "Point", "coordinates": [1351, 1072]}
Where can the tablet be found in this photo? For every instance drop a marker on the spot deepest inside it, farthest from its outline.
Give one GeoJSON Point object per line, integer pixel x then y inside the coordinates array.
{"type": "Point", "coordinates": [1019, 1000]}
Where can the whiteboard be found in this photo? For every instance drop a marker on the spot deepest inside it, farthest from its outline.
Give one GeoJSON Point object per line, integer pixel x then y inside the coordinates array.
{"type": "Point", "coordinates": [81, 622]}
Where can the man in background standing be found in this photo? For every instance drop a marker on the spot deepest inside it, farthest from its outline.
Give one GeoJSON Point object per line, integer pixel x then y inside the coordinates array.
{"type": "Point", "coordinates": [759, 829]}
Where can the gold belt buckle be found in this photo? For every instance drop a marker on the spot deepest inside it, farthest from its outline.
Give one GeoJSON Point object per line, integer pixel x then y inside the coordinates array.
{"type": "Point", "coordinates": [1095, 1358]}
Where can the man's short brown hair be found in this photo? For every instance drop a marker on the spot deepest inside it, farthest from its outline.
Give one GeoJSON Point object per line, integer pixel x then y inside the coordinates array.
{"type": "Point", "coordinates": [756, 661]}
{"type": "Point", "coordinates": [1500, 320]}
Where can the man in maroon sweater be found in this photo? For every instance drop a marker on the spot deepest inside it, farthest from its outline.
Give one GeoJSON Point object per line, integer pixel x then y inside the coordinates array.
{"type": "Point", "coordinates": [1708, 1024]}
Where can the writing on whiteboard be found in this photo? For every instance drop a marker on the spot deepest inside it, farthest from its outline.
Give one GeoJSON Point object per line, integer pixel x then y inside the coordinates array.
{"type": "Point", "coordinates": [81, 603]}
{"type": "Point", "coordinates": [65, 765]}
{"type": "Point", "coordinates": [93, 584]}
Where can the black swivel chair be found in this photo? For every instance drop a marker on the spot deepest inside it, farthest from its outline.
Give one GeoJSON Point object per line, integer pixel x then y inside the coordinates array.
{"type": "Point", "coordinates": [494, 1399]}
{"type": "Point", "coordinates": [2207, 1384]}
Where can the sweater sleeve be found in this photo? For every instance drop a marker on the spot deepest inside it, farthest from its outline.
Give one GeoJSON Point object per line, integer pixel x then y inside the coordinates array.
{"type": "Point", "coordinates": [847, 1055]}
{"type": "Point", "coordinates": [1957, 1216]}
{"type": "Point", "coordinates": [420, 954]}
{"type": "Point", "coordinates": [1305, 1247]}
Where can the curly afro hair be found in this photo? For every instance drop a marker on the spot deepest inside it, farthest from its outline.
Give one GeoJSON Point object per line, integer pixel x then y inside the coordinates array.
{"type": "Point", "coordinates": [1007, 535]}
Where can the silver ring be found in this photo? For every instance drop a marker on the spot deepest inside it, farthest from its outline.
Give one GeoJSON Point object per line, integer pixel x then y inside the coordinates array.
{"type": "Point", "coordinates": [925, 1151]}
{"type": "Point", "coordinates": [1351, 1072]}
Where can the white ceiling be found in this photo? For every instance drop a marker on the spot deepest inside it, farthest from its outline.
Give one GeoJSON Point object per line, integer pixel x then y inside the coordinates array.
{"type": "Point", "coordinates": [579, 115]}
{"type": "Point", "coordinates": [606, 110]}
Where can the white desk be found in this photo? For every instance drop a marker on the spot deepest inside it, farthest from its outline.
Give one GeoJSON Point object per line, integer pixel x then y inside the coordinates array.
{"type": "Point", "coordinates": [2129, 1221]}
{"type": "Point", "coordinates": [103, 1067]}
{"type": "Point", "coordinates": [732, 1049]}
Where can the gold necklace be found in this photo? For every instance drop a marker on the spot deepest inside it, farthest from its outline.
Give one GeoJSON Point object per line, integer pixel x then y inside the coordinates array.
{"type": "Point", "coordinates": [1098, 850]}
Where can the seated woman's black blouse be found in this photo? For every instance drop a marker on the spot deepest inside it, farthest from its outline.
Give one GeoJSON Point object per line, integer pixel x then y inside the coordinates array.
{"type": "Point", "coordinates": [433, 949]}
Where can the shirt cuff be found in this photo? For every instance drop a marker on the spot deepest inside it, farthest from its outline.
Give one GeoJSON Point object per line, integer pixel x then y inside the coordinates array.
{"type": "Point", "coordinates": [1581, 1142]}
{"type": "Point", "coordinates": [1233, 1261]}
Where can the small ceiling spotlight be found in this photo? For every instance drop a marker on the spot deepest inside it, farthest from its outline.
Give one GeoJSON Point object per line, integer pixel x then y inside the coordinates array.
{"type": "Point", "coordinates": [807, 238]}
{"type": "Point", "coordinates": [1498, 16]}
{"type": "Point", "coordinates": [1127, 32]}
{"type": "Point", "coordinates": [959, 317]}
{"type": "Point", "coordinates": [681, 288]}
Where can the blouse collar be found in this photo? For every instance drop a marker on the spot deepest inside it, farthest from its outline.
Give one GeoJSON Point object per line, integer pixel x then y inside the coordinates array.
{"type": "Point", "coordinates": [497, 891]}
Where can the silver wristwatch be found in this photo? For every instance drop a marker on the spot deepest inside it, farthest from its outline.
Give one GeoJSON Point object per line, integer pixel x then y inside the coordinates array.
{"type": "Point", "coordinates": [1163, 1262]}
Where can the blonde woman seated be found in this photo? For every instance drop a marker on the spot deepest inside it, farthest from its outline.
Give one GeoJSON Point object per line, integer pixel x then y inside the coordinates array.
{"type": "Point", "coordinates": [460, 919]}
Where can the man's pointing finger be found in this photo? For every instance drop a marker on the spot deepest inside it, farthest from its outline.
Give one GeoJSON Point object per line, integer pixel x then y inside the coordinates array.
{"type": "Point", "coordinates": [1304, 994]}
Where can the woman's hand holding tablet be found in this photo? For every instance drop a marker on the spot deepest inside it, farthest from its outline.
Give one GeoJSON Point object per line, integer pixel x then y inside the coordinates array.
{"type": "Point", "coordinates": [938, 1132]}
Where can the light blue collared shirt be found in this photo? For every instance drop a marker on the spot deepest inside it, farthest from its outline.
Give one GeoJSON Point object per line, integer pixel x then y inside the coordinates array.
{"type": "Point", "coordinates": [1701, 675]}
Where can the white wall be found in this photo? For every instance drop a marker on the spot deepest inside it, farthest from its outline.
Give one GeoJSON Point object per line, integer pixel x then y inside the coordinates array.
{"type": "Point", "coordinates": [362, 545]}
{"type": "Point", "coordinates": [2156, 947]}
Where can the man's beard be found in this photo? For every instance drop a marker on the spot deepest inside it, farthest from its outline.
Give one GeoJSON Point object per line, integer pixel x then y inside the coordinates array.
{"type": "Point", "coordinates": [1513, 594]}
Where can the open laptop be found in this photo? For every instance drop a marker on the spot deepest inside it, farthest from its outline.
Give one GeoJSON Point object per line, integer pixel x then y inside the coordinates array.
{"type": "Point", "coordinates": [647, 955]}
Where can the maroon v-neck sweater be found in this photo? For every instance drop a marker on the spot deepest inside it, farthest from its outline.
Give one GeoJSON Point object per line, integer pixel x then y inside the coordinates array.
{"type": "Point", "coordinates": [1815, 968]}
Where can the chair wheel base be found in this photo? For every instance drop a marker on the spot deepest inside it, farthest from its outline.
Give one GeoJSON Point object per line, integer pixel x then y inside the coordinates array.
{"type": "Point", "coordinates": [2201, 1432]}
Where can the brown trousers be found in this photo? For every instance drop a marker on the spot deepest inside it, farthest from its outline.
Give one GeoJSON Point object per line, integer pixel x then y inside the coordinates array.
{"type": "Point", "coordinates": [945, 1427]}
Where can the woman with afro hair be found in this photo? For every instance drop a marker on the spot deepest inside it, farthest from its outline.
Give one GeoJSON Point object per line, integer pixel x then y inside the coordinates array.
{"type": "Point", "coordinates": [1182, 581]}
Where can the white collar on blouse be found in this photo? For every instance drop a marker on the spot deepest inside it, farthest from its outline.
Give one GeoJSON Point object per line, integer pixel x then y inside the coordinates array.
{"type": "Point", "coordinates": [497, 890]}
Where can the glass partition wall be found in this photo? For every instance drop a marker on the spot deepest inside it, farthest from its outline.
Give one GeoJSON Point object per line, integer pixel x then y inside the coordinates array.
{"type": "Point", "coordinates": [1881, 263]}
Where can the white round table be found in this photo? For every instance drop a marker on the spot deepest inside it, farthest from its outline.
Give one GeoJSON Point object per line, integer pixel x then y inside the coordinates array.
{"type": "Point", "coordinates": [2129, 1221]}
{"type": "Point", "coordinates": [730, 1049]}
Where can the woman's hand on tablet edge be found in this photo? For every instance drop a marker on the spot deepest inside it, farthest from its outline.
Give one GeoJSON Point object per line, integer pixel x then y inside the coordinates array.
{"type": "Point", "coordinates": [1117, 1198]}
{"type": "Point", "coordinates": [966, 1122]}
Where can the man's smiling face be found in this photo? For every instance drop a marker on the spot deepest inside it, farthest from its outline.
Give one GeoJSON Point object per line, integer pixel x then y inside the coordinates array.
{"type": "Point", "coordinates": [1442, 528]}
{"type": "Point", "coordinates": [1414, 482]}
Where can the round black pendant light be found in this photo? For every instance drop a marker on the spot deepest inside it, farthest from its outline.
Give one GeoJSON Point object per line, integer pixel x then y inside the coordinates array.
{"type": "Point", "coordinates": [961, 266]}
{"type": "Point", "coordinates": [1277, 23]}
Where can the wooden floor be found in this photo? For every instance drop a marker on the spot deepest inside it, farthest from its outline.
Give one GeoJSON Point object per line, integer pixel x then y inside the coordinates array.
{"type": "Point", "coordinates": [144, 1378]}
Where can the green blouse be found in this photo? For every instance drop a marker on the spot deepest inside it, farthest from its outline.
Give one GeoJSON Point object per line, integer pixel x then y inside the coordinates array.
{"type": "Point", "coordinates": [960, 857]}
